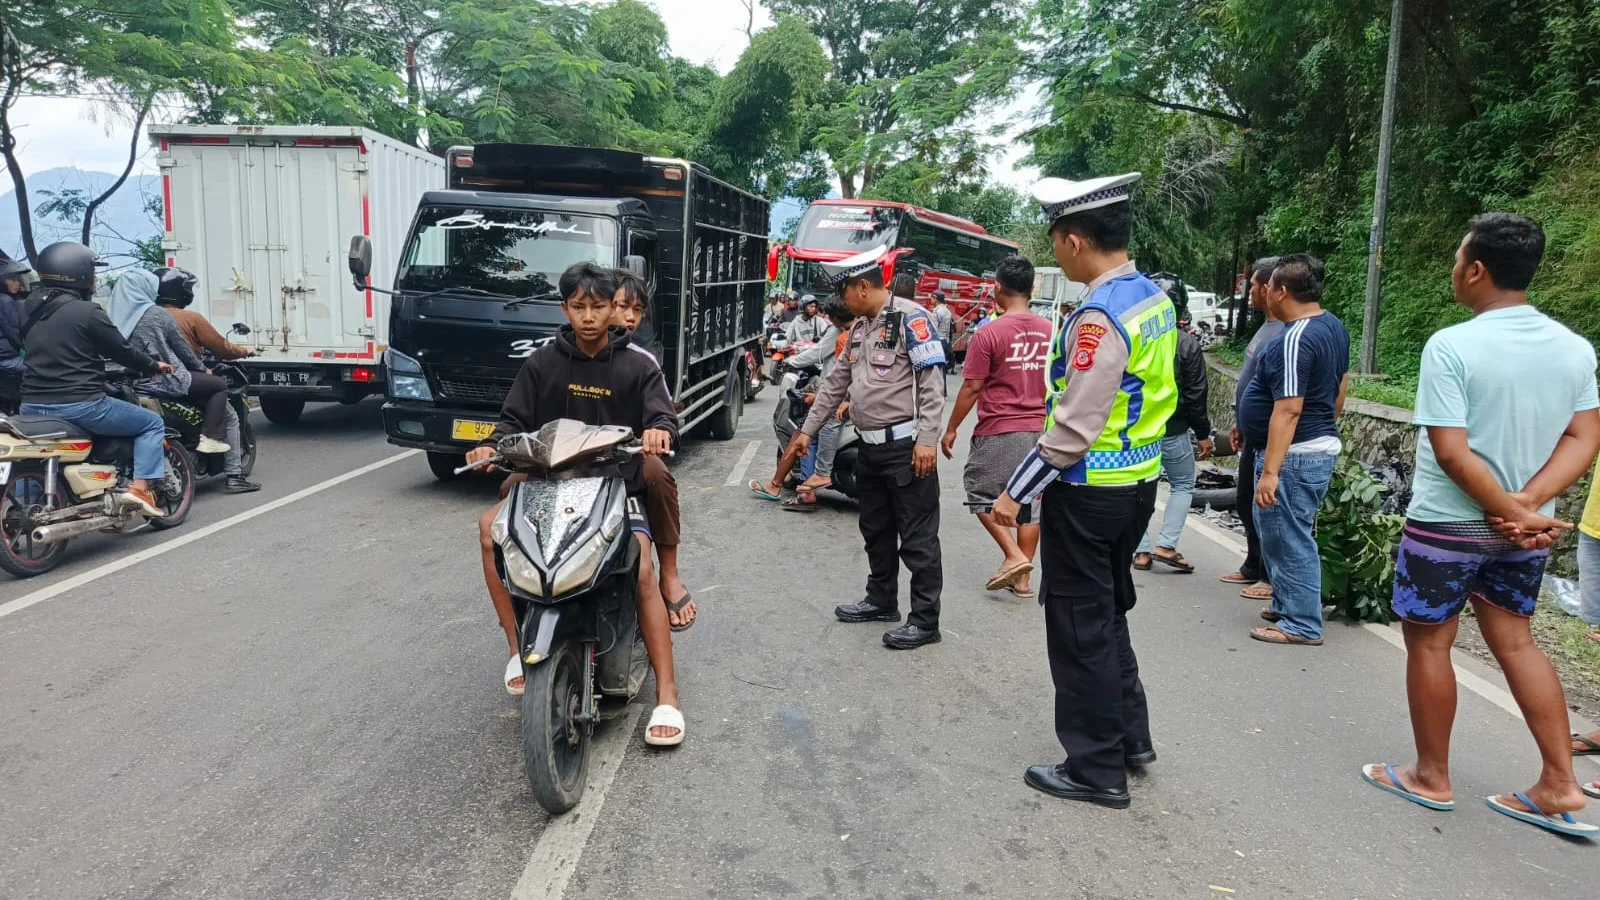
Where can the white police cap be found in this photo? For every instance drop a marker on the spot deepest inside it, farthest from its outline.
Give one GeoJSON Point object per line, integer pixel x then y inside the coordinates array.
{"type": "Point", "coordinates": [840, 272]}
{"type": "Point", "coordinates": [1060, 197]}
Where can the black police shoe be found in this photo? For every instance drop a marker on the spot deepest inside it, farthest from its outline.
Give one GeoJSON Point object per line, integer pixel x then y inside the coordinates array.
{"type": "Point", "coordinates": [1055, 781]}
{"type": "Point", "coordinates": [910, 637]}
{"type": "Point", "coordinates": [238, 484]}
{"type": "Point", "coordinates": [865, 611]}
{"type": "Point", "coordinates": [1139, 755]}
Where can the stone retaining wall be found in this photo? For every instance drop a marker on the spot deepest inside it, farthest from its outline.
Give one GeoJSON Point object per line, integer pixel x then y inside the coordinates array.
{"type": "Point", "coordinates": [1379, 435]}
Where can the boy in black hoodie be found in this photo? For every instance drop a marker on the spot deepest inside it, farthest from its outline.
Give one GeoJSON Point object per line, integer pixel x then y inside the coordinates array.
{"type": "Point", "coordinates": [592, 373]}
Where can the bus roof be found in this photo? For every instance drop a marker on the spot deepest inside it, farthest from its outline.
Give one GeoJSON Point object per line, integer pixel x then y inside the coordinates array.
{"type": "Point", "coordinates": [926, 215]}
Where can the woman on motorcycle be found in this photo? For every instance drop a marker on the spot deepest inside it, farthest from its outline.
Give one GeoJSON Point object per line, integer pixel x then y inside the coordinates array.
{"type": "Point", "coordinates": [151, 329]}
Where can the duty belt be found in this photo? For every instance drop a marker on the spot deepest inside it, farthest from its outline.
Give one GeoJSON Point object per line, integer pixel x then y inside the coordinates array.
{"type": "Point", "coordinates": [885, 435]}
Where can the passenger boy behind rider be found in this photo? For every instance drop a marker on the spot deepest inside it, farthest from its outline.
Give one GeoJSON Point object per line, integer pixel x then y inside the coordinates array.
{"type": "Point", "coordinates": [591, 374]}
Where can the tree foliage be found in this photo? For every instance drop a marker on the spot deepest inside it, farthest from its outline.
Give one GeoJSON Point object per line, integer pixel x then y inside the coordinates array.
{"type": "Point", "coordinates": [1256, 122]}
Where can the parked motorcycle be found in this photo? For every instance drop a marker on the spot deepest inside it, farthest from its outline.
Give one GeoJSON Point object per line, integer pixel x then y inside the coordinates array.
{"type": "Point", "coordinates": [60, 481]}
{"type": "Point", "coordinates": [566, 554]}
{"type": "Point", "coordinates": [790, 413]}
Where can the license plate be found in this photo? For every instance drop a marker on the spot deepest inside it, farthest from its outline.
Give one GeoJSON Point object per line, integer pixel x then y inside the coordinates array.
{"type": "Point", "coordinates": [469, 430]}
{"type": "Point", "coordinates": [5, 472]}
{"type": "Point", "coordinates": [286, 379]}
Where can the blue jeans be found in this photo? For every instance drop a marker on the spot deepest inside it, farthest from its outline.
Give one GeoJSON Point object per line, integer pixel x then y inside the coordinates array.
{"type": "Point", "coordinates": [1177, 460]}
{"type": "Point", "coordinates": [115, 418]}
{"type": "Point", "coordinates": [1288, 546]}
{"type": "Point", "coordinates": [1588, 579]}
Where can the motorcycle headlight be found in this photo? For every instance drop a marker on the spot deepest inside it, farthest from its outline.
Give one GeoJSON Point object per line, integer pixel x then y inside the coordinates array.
{"type": "Point", "coordinates": [580, 567]}
{"type": "Point", "coordinates": [501, 526]}
{"type": "Point", "coordinates": [521, 570]}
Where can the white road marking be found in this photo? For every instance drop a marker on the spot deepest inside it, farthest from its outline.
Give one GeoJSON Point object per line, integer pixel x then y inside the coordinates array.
{"type": "Point", "coordinates": [1389, 633]}
{"type": "Point", "coordinates": [736, 477]}
{"type": "Point", "coordinates": [187, 538]}
{"type": "Point", "coordinates": [556, 853]}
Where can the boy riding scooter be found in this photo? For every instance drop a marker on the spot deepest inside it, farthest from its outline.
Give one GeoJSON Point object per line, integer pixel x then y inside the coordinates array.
{"type": "Point", "coordinates": [591, 374]}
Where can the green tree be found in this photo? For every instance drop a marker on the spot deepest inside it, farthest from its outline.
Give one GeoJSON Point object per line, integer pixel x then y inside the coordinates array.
{"type": "Point", "coordinates": [908, 81]}
{"type": "Point", "coordinates": [754, 129]}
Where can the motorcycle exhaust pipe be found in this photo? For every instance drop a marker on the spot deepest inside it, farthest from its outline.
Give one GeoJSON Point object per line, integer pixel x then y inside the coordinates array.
{"type": "Point", "coordinates": [55, 534]}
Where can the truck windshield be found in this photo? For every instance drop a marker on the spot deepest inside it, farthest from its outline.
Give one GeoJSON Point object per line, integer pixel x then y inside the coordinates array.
{"type": "Point", "coordinates": [849, 228]}
{"type": "Point", "coordinates": [510, 252]}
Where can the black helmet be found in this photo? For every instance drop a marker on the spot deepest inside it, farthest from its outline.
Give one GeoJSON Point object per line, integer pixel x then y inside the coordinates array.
{"type": "Point", "coordinates": [176, 286]}
{"type": "Point", "coordinates": [67, 264]}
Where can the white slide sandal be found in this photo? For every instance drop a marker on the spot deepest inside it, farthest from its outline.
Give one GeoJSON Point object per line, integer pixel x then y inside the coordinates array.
{"type": "Point", "coordinates": [664, 717]}
{"type": "Point", "coordinates": [514, 670]}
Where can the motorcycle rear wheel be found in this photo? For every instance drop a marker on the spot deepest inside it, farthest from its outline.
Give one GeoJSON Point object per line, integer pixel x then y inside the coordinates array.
{"type": "Point", "coordinates": [19, 555]}
{"type": "Point", "coordinates": [555, 745]}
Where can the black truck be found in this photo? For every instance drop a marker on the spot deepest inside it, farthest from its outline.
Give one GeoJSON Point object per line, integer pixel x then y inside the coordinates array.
{"type": "Point", "coordinates": [476, 287]}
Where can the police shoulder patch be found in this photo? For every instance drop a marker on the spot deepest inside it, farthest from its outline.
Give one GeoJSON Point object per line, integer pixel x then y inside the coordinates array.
{"type": "Point", "coordinates": [920, 329]}
{"type": "Point", "coordinates": [1089, 336]}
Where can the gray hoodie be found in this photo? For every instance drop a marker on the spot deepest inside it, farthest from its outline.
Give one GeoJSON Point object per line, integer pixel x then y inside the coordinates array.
{"type": "Point", "coordinates": [154, 333]}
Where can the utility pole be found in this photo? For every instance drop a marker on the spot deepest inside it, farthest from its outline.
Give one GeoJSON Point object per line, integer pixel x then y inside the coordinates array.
{"type": "Point", "coordinates": [1380, 201]}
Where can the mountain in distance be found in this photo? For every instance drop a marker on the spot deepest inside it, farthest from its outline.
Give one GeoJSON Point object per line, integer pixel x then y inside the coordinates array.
{"type": "Point", "coordinates": [121, 220]}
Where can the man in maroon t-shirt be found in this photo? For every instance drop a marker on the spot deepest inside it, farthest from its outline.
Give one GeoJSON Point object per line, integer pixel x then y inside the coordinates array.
{"type": "Point", "coordinates": [1004, 376]}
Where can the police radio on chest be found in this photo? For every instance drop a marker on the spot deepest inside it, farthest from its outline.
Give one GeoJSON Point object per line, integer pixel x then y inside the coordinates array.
{"type": "Point", "coordinates": [894, 322]}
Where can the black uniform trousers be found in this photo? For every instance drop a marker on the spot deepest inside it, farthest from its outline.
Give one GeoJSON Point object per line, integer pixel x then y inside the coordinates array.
{"type": "Point", "coordinates": [1087, 538]}
{"type": "Point", "coordinates": [900, 521]}
{"type": "Point", "coordinates": [1244, 506]}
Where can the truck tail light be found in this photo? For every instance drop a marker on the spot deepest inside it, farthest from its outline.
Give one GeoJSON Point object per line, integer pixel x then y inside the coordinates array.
{"type": "Point", "coordinates": [361, 374]}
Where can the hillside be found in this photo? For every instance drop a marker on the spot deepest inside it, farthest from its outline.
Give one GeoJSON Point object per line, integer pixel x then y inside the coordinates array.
{"type": "Point", "coordinates": [121, 220]}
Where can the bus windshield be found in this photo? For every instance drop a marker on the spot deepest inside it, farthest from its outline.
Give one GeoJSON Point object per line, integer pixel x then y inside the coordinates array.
{"type": "Point", "coordinates": [847, 228]}
{"type": "Point", "coordinates": [510, 252]}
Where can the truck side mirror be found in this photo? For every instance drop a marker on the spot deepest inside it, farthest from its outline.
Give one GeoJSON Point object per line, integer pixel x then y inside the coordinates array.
{"type": "Point", "coordinates": [360, 259]}
{"type": "Point", "coordinates": [634, 264]}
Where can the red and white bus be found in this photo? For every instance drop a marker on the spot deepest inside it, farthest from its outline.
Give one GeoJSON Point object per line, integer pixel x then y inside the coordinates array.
{"type": "Point", "coordinates": [944, 252]}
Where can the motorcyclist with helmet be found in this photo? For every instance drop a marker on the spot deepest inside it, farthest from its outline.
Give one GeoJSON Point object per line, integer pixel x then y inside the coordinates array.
{"type": "Point", "coordinates": [174, 294]}
{"type": "Point", "coordinates": [65, 339]}
{"type": "Point", "coordinates": [12, 289]}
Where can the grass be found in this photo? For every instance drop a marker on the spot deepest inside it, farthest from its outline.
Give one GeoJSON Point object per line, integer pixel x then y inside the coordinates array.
{"type": "Point", "coordinates": [1228, 353]}
{"type": "Point", "coordinates": [1400, 392]}
{"type": "Point", "coordinates": [1563, 638]}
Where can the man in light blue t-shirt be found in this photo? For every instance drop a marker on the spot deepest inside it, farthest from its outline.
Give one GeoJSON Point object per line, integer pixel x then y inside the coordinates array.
{"type": "Point", "coordinates": [1507, 404]}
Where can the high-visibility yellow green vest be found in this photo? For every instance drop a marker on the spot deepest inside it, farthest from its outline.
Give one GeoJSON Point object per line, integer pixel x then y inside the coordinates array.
{"type": "Point", "coordinates": [1129, 450]}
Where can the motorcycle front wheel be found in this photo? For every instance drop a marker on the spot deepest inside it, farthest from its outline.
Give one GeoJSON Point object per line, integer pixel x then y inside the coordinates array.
{"type": "Point", "coordinates": [555, 744]}
{"type": "Point", "coordinates": [247, 440]}
{"type": "Point", "coordinates": [20, 555]}
{"type": "Point", "coordinates": [175, 493]}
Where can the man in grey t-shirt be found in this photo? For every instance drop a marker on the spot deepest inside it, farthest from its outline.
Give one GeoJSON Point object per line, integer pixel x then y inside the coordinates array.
{"type": "Point", "coordinates": [1251, 571]}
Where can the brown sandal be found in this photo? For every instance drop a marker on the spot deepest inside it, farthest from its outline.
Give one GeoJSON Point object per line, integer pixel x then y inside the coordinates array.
{"type": "Point", "coordinates": [1142, 566]}
{"type": "Point", "coordinates": [1257, 592]}
{"type": "Point", "coordinates": [1175, 561]}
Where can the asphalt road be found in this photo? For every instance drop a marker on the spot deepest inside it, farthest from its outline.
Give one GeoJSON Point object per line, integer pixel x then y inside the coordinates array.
{"type": "Point", "coordinates": [303, 702]}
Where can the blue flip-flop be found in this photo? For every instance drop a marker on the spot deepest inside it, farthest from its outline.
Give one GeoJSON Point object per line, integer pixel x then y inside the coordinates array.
{"type": "Point", "coordinates": [760, 490]}
{"type": "Point", "coordinates": [1560, 824]}
{"type": "Point", "coordinates": [1398, 788]}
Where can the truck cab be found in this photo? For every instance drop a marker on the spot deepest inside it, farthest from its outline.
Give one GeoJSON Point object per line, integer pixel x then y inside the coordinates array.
{"type": "Point", "coordinates": [476, 286]}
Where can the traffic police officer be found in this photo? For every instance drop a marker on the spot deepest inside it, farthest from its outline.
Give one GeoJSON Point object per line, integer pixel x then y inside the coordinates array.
{"type": "Point", "coordinates": [1112, 387]}
{"type": "Point", "coordinates": [893, 376]}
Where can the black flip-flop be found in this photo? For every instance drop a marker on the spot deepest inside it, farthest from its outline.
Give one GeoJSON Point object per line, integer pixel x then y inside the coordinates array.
{"type": "Point", "coordinates": [1593, 748]}
{"type": "Point", "coordinates": [685, 600]}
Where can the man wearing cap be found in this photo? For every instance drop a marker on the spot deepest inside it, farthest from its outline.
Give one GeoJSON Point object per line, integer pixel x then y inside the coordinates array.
{"type": "Point", "coordinates": [893, 375]}
{"type": "Point", "coordinates": [1112, 388]}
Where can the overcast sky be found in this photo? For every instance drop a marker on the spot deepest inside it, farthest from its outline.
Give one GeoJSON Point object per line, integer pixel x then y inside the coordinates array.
{"type": "Point", "coordinates": [64, 132]}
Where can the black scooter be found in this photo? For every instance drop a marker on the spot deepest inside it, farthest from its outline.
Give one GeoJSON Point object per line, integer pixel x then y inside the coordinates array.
{"type": "Point", "coordinates": [564, 549]}
{"type": "Point", "coordinates": [185, 418]}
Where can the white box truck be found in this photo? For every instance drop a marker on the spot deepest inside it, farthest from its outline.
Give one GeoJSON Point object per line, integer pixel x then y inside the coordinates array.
{"type": "Point", "coordinates": [263, 216]}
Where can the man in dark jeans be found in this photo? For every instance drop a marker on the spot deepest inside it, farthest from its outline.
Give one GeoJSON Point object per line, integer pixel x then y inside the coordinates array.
{"type": "Point", "coordinates": [1252, 574]}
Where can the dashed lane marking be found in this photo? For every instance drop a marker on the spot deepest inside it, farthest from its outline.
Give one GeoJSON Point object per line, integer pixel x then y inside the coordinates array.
{"type": "Point", "coordinates": [736, 477]}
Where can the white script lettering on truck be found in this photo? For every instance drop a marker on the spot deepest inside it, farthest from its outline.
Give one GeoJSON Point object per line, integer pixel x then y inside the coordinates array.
{"type": "Point", "coordinates": [476, 220]}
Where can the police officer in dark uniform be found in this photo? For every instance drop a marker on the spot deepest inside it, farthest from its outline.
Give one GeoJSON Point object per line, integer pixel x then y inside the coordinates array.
{"type": "Point", "coordinates": [1112, 387]}
{"type": "Point", "coordinates": [893, 375]}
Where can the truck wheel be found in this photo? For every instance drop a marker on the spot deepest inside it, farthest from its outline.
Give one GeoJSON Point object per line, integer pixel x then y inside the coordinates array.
{"type": "Point", "coordinates": [282, 410]}
{"type": "Point", "coordinates": [444, 465]}
{"type": "Point", "coordinates": [724, 423]}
